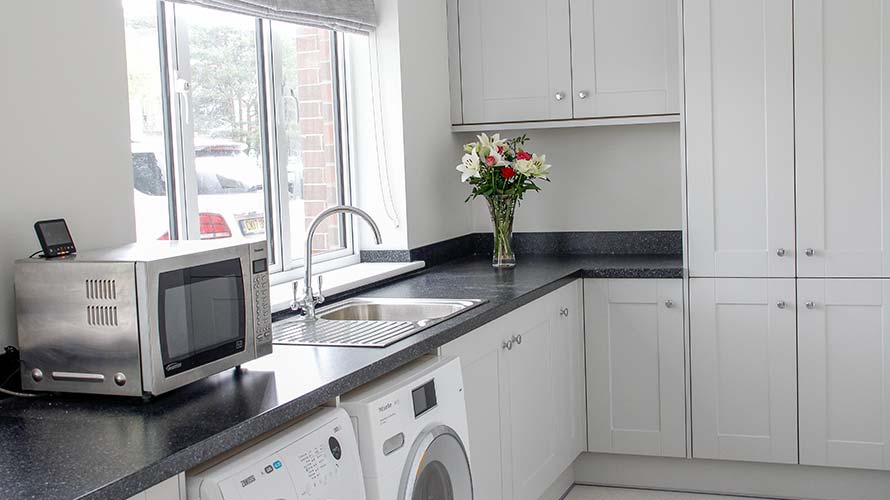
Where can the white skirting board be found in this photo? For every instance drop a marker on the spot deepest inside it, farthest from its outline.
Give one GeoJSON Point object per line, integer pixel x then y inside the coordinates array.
{"type": "Point", "coordinates": [781, 481]}
{"type": "Point", "coordinates": [560, 488]}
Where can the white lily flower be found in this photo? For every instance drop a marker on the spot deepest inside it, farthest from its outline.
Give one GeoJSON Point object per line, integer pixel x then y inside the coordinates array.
{"type": "Point", "coordinates": [489, 145]}
{"type": "Point", "coordinates": [469, 166]}
{"type": "Point", "coordinates": [524, 167]}
{"type": "Point", "coordinates": [539, 167]}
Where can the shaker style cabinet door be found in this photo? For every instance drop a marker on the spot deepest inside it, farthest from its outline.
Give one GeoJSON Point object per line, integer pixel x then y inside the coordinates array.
{"type": "Point", "coordinates": [625, 57]}
{"type": "Point", "coordinates": [743, 342]}
{"type": "Point", "coordinates": [842, 92]}
{"type": "Point", "coordinates": [636, 389]}
{"type": "Point", "coordinates": [844, 349]}
{"type": "Point", "coordinates": [567, 318]}
{"type": "Point", "coordinates": [524, 388]}
{"type": "Point", "coordinates": [739, 137]}
{"type": "Point", "coordinates": [515, 60]}
{"type": "Point", "coordinates": [480, 361]}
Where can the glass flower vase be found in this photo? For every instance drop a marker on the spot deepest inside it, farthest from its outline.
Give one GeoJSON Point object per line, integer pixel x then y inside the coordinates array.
{"type": "Point", "coordinates": [502, 208]}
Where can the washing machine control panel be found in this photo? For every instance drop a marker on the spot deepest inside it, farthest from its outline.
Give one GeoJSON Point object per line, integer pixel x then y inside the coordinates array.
{"type": "Point", "coordinates": [320, 466]}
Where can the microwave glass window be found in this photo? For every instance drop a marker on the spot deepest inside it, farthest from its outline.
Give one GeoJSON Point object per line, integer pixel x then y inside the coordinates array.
{"type": "Point", "coordinates": [202, 314]}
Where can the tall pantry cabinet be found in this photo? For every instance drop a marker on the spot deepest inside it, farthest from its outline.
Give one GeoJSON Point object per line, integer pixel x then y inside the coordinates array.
{"type": "Point", "coordinates": [787, 125]}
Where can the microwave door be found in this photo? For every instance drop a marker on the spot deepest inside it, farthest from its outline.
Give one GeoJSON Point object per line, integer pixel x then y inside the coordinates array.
{"type": "Point", "coordinates": [201, 315]}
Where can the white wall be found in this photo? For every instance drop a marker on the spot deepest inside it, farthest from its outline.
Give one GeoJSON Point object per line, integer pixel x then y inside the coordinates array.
{"type": "Point", "coordinates": [436, 208]}
{"type": "Point", "coordinates": [614, 178]}
{"type": "Point", "coordinates": [64, 130]}
{"type": "Point", "coordinates": [421, 152]}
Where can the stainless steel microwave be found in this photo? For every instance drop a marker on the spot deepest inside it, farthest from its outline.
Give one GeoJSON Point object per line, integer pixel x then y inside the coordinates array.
{"type": "Point", "coordinates": [141, 319]}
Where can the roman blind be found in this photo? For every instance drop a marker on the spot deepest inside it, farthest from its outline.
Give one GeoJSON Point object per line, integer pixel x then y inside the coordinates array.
{"type": "Point", "coordinates": [341, 15]}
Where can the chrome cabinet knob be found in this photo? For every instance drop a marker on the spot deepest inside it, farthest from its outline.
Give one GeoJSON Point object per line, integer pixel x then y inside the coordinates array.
{"type": "Point", "coordinates": [583, 94]}
{"type": "Point", "coordinates": [781, 304]}
{"type": "Point", "coordinates": [810, 252]}
{"type": "Point", "coordinates": [564, 312]}
{"type": "Point", "coordinates": [780, 252]}
{"type": "Point", "coordinates": [669, 303]}
{"type": "Point", "coordinates": [811, 305]}
{"type": "Point", "coordinates": [559, 96]}
{"type": "Point", "coordinates": [517, 339]}
{"type": "Point", "coordinates": [508, 345]}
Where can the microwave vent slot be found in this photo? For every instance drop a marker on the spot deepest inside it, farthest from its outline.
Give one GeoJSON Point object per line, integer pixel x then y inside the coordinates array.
{"type": "Point", "coordinates": [101, 289]}
{"type": "Point", "coordinates": [102, 315]}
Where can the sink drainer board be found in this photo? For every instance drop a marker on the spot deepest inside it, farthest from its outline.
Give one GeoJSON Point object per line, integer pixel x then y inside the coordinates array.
{"type": "Point", "coordinates": [347, 333]}
{"type": "Point", "coordinates": [369, 322]}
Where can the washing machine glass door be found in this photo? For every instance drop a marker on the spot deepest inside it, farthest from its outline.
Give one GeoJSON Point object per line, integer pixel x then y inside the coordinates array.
{"type": "Point", "coordinates": [437, 468]}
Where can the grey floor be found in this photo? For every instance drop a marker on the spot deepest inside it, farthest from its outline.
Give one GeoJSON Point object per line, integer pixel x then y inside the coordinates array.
{"type": "Point", "coordinates": [598, 493]}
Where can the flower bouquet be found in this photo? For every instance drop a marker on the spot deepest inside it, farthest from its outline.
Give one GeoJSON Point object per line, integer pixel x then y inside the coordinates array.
{"type": "Point", "coordinates": [501, 171]}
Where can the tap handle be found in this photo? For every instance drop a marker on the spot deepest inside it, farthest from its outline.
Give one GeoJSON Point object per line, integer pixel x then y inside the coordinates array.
{"type": "Point", "coordinates": [320, 297]}
{"type": "Point", "coordinates": [296, 303]}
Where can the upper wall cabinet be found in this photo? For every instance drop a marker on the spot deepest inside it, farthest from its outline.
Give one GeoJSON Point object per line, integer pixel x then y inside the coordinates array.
{"type": "Point", "coordinates": [625, 57]}
{"type": "Point", "coordinates": [739, 137]}
{"type": "Point", "coordinates": [545, 63]}
{"type": "Point", "coordinates": [515, 60]}
{"type": "Point", "coordinates": [842, 92]}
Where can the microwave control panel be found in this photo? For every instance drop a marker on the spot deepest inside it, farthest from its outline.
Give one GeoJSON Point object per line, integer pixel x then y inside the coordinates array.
{"type": "Point", "coordinates": [262, 326]}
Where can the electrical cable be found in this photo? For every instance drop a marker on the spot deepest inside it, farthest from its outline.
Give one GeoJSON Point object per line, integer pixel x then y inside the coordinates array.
{"type": "Point", "coordinates": [379, 131]}
{"type": "Point", "coordinates": [35, 253]}
{"type": "Point", "coordinates": [14, 393]}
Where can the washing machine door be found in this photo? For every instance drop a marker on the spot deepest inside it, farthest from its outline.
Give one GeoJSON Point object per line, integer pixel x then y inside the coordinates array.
{"type": "Point", "coordinates": [437, 468]}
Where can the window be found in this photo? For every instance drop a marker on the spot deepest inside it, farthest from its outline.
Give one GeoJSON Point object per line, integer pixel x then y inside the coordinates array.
{"type": "Point", "coordinates": [237, 130]}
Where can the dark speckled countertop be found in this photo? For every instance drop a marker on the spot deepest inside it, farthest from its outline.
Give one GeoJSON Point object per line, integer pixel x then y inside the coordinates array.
{"type": "Point", "coordinates": [90, 447]}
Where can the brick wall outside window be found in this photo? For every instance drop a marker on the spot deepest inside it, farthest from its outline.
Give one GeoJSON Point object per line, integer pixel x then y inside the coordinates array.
{"type": "Point", "coordinates": [317, 122]}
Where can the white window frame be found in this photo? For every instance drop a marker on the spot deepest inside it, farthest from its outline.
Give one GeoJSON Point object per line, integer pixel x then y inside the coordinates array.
{"type": "Point", "coordinates": [180, 147]}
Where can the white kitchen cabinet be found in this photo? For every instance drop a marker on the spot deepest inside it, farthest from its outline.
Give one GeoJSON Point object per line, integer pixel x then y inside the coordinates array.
{"type": "Point", "coordinates": [739, 137]}
{"type": "Point", "coordinates": [743, 343]}
{"type": "Point", "coordinates": [545, 63]}
{"type": "Point", "coordinates": [515, 60]}
{"type": "Point", "coordinates": [171, 489]}
{"type": "Point", "coordinates": [524, 388]}
{"type": "Point", "coordinates": [636, 388]}
{"type": "Point", "coordinates": [844, 350]}
{"type": "Point", "coordinates": [842, 92]}
{"type": "Point", "coordinates": [625, 57]}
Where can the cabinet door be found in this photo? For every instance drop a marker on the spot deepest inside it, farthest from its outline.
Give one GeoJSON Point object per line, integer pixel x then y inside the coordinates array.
{"type": "Point", "coordinates": [170, 489]}
{"type": "Point", "coordinates": [636, 396]}
{"type": "Point", "coordinates": [842, 92]}
{"type": "Point", "coordinates": [844, 372]}
{"type": "Point", "coordinates": [480, 359]}
{"type": "Point", "coordinates": [625, 57]}
{"type": "Point", "coordinates": [568, 361]}
{"type": "Point", "coordinates": [744, 369]}
{"type": "Point", "coordinates": [515, 60]}
{"type": "Point", "coordinates": [739, 137]}
{"type": "Point", "coordinates": [528, 378]}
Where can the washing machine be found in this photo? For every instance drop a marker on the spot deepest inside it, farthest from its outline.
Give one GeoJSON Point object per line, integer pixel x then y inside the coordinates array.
{"type": "Point", "coordinates": [412, 432]}
{"type": "Point", "coordinates": [315, 459]}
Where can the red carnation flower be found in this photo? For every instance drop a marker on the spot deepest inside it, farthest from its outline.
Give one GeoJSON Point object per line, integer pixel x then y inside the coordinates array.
{"type": "Point", "coordinates": [523, 155]}
{"type": "Point", "coordinates": [507, 172]}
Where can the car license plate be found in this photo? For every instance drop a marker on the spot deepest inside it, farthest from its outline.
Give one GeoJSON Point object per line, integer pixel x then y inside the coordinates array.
{"type": "Point", "coordinates": [255, 225]}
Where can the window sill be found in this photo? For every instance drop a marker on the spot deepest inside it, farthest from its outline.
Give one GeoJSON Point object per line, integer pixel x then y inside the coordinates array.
{"type": "Point", "coordinates": [345, 279]}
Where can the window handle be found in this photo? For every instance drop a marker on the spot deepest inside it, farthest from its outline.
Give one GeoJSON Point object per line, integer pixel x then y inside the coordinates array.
{"type": "Point", "coordinates": [183, 87]}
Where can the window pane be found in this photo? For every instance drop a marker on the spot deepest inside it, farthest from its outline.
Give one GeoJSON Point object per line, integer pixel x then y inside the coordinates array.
{"type": "Point", "coordinates": [308, 123]}
{"type": "Point", "coordinates": [225, 110]}
{"type": "Point", "coordinates": [146, 120]}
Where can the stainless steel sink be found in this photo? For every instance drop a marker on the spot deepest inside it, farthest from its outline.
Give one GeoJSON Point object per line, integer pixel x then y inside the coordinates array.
{"type": "Point", "coordinates": [369, 322]}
